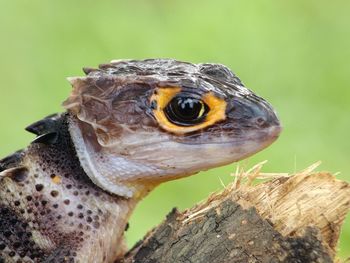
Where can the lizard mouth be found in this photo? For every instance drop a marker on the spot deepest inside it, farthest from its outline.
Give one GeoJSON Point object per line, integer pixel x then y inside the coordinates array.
{"type": "Point", "coordinates": [190, 156]}
{"type": "Point", "coordinates": [266, 136]}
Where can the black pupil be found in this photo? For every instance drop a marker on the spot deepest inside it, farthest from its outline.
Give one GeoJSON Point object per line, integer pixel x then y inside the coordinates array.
{"type": "Point", "coordinates": [186, 111]}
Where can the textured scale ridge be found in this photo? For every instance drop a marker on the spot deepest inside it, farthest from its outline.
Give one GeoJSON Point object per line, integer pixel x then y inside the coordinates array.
{"type": "Point", "coordinates": [153, 71]}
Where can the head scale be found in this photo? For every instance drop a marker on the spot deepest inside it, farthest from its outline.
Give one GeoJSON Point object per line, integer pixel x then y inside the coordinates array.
{"type": "Point", "coordinates": [138, 123]}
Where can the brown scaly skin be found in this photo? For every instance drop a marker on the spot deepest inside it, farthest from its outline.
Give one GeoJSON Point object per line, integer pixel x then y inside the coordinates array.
{"type": "Point", "coordinates": [67, 197]}
{"type": "Point", "coordinates": [50, 210]}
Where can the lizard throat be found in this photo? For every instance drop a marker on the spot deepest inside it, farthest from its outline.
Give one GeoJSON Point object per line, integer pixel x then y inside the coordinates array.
{"type": "Point", "coordinates": [113, 173]}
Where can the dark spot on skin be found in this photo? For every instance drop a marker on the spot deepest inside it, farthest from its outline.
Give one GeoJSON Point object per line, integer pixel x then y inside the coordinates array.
{"type": "Point", "coordinates": [29, 198]}
{"type": "Point", "coordinates": [54, 193]}
{"type": "Point", "coordinates": [66, 202]}
{"type": "Point", "coordinates": [39, 187]}
{"type": "Point", "coordinates": [16, 245]}
{"type": "Point", "coordinates": [89, 219]}
{"type": "Point", "coordinates": [79, 206]}
{"type": "Point", "coordinates": [55, 206]}
{"type": "Point", "coordinates": [75, 193]}
{"type": "Point", "coordinates": [19, 174]}
{"type": "Point", "coordinates": [81, 215]}
{"type": "Point", "coordinates": [96, 225]}
{"type": "Point", "coordinates": [17, 203]}
{"type": "Point", "coordinates": [44, 202]}
{"type": "Point", "coordinates": [70, 213]}
{"type": "Point", "coordinates": [69, 186]}
{"type": "Point", "coordinates": [12, 254]}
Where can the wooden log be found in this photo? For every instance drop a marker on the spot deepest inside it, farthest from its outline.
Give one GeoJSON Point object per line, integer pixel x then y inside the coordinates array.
{"type": "Point", "coordinates": [287, 219]}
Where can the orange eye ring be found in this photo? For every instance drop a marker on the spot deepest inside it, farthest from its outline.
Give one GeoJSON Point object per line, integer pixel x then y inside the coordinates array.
{"type": "Point", "coordinates": [164, 95]}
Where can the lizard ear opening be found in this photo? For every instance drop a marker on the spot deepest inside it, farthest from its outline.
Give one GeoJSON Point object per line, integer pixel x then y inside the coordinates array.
{"type": "Point", "coordinates": [180, 113]}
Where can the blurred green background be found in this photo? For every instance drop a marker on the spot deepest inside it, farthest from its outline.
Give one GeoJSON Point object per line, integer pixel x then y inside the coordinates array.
{"type": "Point", "coordinates": [293, 53]}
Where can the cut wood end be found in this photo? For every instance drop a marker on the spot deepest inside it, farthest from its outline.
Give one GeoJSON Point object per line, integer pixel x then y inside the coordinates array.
{"type": "Point", "coordinates": [291, 218]}
{"type": "Point", "coordinates": [292, 203]}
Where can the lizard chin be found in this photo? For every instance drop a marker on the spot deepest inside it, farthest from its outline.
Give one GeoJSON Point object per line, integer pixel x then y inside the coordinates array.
{"type": "Point", "coordinates": [134, 167]}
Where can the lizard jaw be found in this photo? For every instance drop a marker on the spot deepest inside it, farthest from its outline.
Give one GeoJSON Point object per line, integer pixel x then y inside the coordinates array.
{"type": "Point", "coordinates": [111, 173]}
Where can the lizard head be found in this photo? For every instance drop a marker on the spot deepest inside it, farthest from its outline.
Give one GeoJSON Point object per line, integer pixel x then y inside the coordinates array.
{"type": "Point", "coordinates": [135, 124]}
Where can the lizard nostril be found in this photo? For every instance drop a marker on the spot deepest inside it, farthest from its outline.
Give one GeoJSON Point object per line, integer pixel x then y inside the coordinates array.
{"type": "Point", "coordinates": [261, 121]}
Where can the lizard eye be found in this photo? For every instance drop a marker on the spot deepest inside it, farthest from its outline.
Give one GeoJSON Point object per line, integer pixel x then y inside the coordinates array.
{"type": "Point", "coordinates": [186, 111]}
{"type": "Point", "coordinates": [183, 112]}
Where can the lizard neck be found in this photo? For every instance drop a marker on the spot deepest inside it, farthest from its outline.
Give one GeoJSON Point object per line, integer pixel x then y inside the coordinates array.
{"type": "Point", "coordinates": [64, 213]}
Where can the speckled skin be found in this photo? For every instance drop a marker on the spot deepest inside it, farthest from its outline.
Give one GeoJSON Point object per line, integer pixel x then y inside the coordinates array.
{"type": "Point", "coordinates": [53, 208]}
{"type": "Point", "coordinates": [50, 211]}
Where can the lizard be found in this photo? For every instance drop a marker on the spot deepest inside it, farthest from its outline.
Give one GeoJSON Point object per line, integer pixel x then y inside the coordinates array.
{"type": "Point", "coordinates": [128, 126]}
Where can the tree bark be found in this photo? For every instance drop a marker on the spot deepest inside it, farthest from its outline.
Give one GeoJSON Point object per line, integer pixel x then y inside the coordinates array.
{"type": "Point", "coordinates": [287, 219]}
